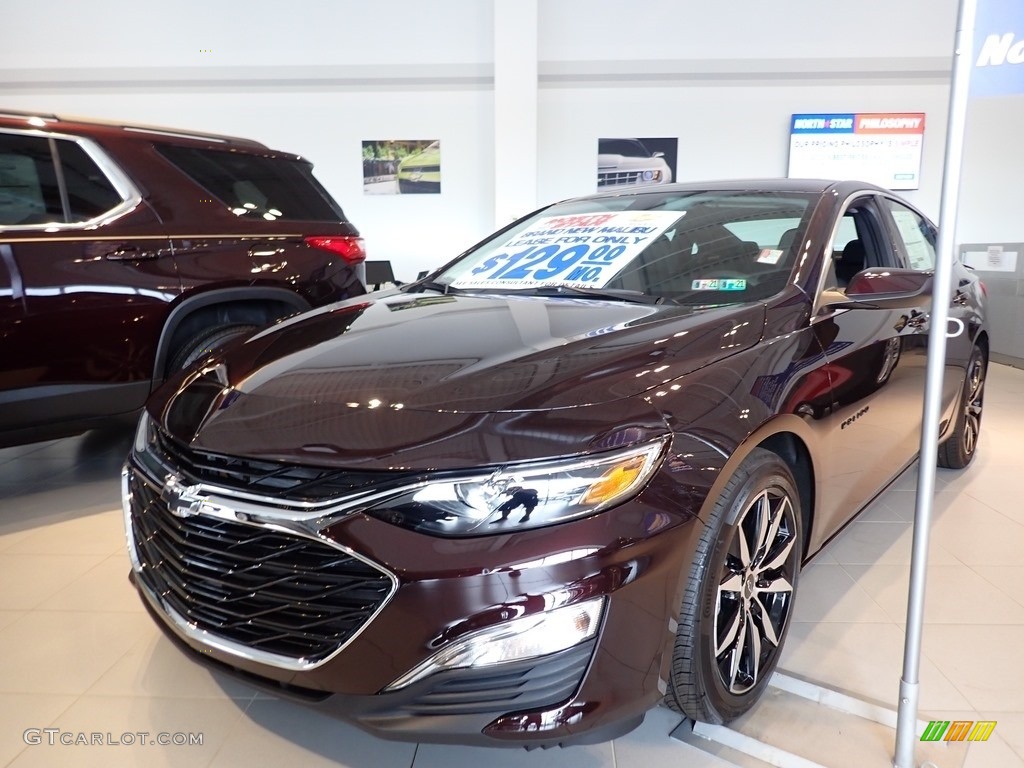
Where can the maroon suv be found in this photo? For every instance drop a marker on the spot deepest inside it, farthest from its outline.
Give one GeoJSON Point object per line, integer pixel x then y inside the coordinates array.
{"type": "Point", "coordinates": [126, 251]}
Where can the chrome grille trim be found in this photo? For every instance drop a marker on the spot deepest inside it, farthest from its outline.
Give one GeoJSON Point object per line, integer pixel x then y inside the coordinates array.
{"type": "Point", "coordinates": [191, 631]}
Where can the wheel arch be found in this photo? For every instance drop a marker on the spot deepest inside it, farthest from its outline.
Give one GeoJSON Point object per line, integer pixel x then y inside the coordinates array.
{"type": "Point", "coordinates": [982, 341]}
{"type": "Point", "coordinates": [243, 304]}
{"type": "Point", "coordinates": [791, 439]}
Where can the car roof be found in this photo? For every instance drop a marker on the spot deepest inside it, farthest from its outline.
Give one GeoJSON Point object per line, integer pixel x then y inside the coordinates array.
{"type": "Point", "coordinates": [92, 127]}
{"type": "Point", "coordinates": [814, 186]}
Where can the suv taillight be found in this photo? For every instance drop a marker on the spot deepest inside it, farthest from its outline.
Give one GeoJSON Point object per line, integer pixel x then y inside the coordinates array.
{"type": "Point", "coordinates": [351, 249]}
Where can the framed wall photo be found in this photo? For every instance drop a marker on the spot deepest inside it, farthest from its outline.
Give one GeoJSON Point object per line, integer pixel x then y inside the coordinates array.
{"type": "Point", "coordinates": [635, 162]}
{"type": "Point", "coordinates": [883, 148]}
{"type": "Point", "coordinates": [392, 167]}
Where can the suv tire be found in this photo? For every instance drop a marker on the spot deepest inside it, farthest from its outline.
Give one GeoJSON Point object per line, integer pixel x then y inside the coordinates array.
{"type": "Point", "coordinates": [206, 341]}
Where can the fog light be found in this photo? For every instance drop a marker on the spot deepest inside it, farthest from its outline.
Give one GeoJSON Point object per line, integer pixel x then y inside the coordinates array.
{"type": "Point", "coordinates": [524, 638]}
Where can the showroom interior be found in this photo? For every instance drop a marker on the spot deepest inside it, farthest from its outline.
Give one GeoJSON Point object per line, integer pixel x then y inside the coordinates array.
{"type": "Point", "coordinates": [518, 94]}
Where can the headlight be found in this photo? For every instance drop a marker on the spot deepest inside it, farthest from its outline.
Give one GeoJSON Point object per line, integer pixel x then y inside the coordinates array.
{"type": "Point", "coordinates": [519, 496]}
{"type": "Point", "coordinates": [525, 638]}
{"type": "Point", "coordinates": [142, 450]}
{"type": "Point", "coordinates": [142, 433]}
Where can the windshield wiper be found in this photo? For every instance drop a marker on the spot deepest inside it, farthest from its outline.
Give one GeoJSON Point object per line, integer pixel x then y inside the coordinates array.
{"type": "Point", "coordinates": [419, 287]}
{"type": "Point", "coordinates": [614, 294]}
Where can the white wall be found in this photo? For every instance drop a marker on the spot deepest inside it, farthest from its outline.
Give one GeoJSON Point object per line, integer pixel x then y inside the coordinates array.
{"type": "Point", "coordinates": [724, 131]}
{"type": "Point", "coordinates": [320, 76]}
{"type": "Point", "coordinates": [749, 30]}
{"type": "Point", "coordinates": [316, 77]}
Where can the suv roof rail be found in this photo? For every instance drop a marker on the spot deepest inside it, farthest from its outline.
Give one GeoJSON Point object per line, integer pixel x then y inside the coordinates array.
{"type": "Point", "coordinates": [133, 127]}
{"type": "Point", "coordinates": [19, 113]}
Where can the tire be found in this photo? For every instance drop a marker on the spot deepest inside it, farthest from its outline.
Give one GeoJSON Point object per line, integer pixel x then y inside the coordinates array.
{"type": "Point", "coordinates": [957, 450]}
{"type": "Point", "coordinates": [728, 641]}
{"type": "Point", "coordinates": [206, 341]}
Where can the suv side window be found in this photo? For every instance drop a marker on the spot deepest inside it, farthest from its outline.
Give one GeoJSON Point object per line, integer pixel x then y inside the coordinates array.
{"type": "Point", "coordinates": [916, 235]}
{"type": "Point", "coordinates": [33, 192]}
{"type": "Point", "coordinates": [29, 192]}
{"type": "Point", "coordinates": [257, 186]}
{"type": "Point", "coordinates": [90, 193]}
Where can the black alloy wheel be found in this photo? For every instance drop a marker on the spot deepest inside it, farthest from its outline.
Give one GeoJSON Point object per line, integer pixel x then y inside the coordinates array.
{"type": "Point", "coordinates": [736, 611]}
{"type": "Point", "coordinates": [958, 450]}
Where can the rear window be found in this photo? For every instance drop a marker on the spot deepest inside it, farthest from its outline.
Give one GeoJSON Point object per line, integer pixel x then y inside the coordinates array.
{"type": "Point", "coordinates": [257, 187]}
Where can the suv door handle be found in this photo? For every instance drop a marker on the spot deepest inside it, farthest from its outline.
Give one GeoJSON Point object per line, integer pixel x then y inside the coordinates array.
{"type": "Point", "coordinates": [129, 253]}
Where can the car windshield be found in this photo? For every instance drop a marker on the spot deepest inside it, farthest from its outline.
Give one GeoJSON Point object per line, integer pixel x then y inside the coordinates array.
{"type": "Point", "coordinates": [626, 147]}
{"type": "Point", "coordinates": [697, 248]}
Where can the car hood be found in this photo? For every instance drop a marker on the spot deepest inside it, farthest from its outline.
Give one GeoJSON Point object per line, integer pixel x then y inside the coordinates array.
{"type": "Point", "coordinates": [629, 162]}
{"type": "Point", "coordinates": [400, 370]}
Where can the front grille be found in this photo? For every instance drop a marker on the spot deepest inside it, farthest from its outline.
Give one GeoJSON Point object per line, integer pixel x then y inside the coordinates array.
{"type": "Point", "coordinates": [271, 591]}
{"type": "Point", "coordinates": [516, 686]}
{"type": "Point", "coordinates": [268, 478]}
{"type": "Point", "coordinates": [615, 178]}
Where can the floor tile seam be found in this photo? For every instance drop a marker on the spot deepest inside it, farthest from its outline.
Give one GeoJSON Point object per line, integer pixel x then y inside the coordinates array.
{"type": "Point", "coordinates": [53, 720]}
{"type": "Point", "coordinates": [37, 606]}
{"type": "Point", "coordinates": [237, 724]}
{"type": "Point", "coordinates": [989, 507]}
{"type": "Point", "coordinates": [867, 594]}
{"type": "Point", "coordinates": [227, 737]}
{"type": "Point", "coordinates": [925, 656]}
{"type": "Point", "coordinates": [161, 696]}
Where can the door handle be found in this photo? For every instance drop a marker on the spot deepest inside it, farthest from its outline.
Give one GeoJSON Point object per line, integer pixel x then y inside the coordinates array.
{"type": "Point", "coordinates": [918, 320]}
{"type": "Point", "coordinates": [267, 251]}
{"type": "Point", "coordinates": [129, 253]}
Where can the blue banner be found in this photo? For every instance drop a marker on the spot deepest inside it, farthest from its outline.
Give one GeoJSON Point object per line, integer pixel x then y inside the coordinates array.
{"type": "Point", "coordinates": [998, 48]}
{"type": "Point", "coordinates": [823, 123]}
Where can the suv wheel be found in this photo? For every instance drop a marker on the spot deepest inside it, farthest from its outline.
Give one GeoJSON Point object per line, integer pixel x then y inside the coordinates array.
{"type": "Point", "coordinates": [204, 342]}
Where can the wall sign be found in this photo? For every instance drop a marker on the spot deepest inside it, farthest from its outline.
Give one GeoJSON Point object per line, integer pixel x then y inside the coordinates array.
{"type": "Point", "coordinates": [879, 147]}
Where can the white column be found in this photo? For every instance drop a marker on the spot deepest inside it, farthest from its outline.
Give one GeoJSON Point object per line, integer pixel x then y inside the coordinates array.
{"type": "Point", "coordinates": [515, 109]}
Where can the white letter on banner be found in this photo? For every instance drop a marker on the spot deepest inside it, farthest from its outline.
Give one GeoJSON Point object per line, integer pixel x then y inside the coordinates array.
{"type": "Point", "coordinates": [1016, 54]}
{"type": "Point", "coordinates": [994, 50]}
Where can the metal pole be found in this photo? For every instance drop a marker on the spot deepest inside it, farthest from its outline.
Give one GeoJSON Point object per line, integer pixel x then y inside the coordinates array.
{"type": "Point", "coordinates": [909, 684]}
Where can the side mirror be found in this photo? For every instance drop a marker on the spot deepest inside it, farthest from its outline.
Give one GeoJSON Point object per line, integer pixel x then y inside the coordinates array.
{"type": "Point", "coordinates": [658, 154]}
{"type": "Point", "coordinates": [883, 288]}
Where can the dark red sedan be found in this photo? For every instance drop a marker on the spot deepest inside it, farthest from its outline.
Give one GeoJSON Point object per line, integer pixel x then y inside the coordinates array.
{"type": "Point", "coordinates": [571, 474]}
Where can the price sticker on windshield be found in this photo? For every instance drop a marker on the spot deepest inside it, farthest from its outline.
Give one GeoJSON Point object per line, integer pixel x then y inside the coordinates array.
{"type": "Point", "coordinates": [582, 250]}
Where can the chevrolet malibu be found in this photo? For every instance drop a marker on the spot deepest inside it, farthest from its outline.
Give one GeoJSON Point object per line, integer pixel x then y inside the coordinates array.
{"type": "Point", "coordinates": [569, 475]}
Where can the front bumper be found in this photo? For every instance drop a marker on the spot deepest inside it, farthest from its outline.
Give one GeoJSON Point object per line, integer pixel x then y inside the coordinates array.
{"type": "Point", "coordinates": [438, 591]}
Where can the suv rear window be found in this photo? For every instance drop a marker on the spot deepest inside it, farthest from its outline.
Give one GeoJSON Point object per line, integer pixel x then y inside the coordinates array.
{"type": "Point", "coordinates": [257, 187]}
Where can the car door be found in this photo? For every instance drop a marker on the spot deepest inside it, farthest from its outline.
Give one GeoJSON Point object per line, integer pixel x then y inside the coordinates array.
{"type": "Point", "coordinates": [915, 238]}
{"type": "Point", "coordinates": [876, 362]}
{"type": "Point", "coordinates": [87, 276]}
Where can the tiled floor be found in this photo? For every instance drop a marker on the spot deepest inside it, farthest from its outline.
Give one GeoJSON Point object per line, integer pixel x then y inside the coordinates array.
{"type": "Point", "coordinates": [78, 653]}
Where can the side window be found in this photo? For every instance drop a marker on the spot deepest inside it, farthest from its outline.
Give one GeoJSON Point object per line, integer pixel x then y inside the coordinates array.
{"type": "Point", "coordinates": [916, 235]}
{"type": "Point", "coordinates": [29, 193]}
{"type": "Point", "coordinates": [860, 242]}
{"type": "Point", "coordinates": [30, 188]}
{"type": "Point", "coordinates": [90, 193]}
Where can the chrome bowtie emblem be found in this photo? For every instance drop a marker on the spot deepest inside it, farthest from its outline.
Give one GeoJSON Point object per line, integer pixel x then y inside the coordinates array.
{"type": "Point", "coordinates": [182, 500]}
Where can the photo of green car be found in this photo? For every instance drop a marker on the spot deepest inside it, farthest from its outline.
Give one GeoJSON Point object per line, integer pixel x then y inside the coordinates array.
{"type": "Point", "coordinates": [421, 172]}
